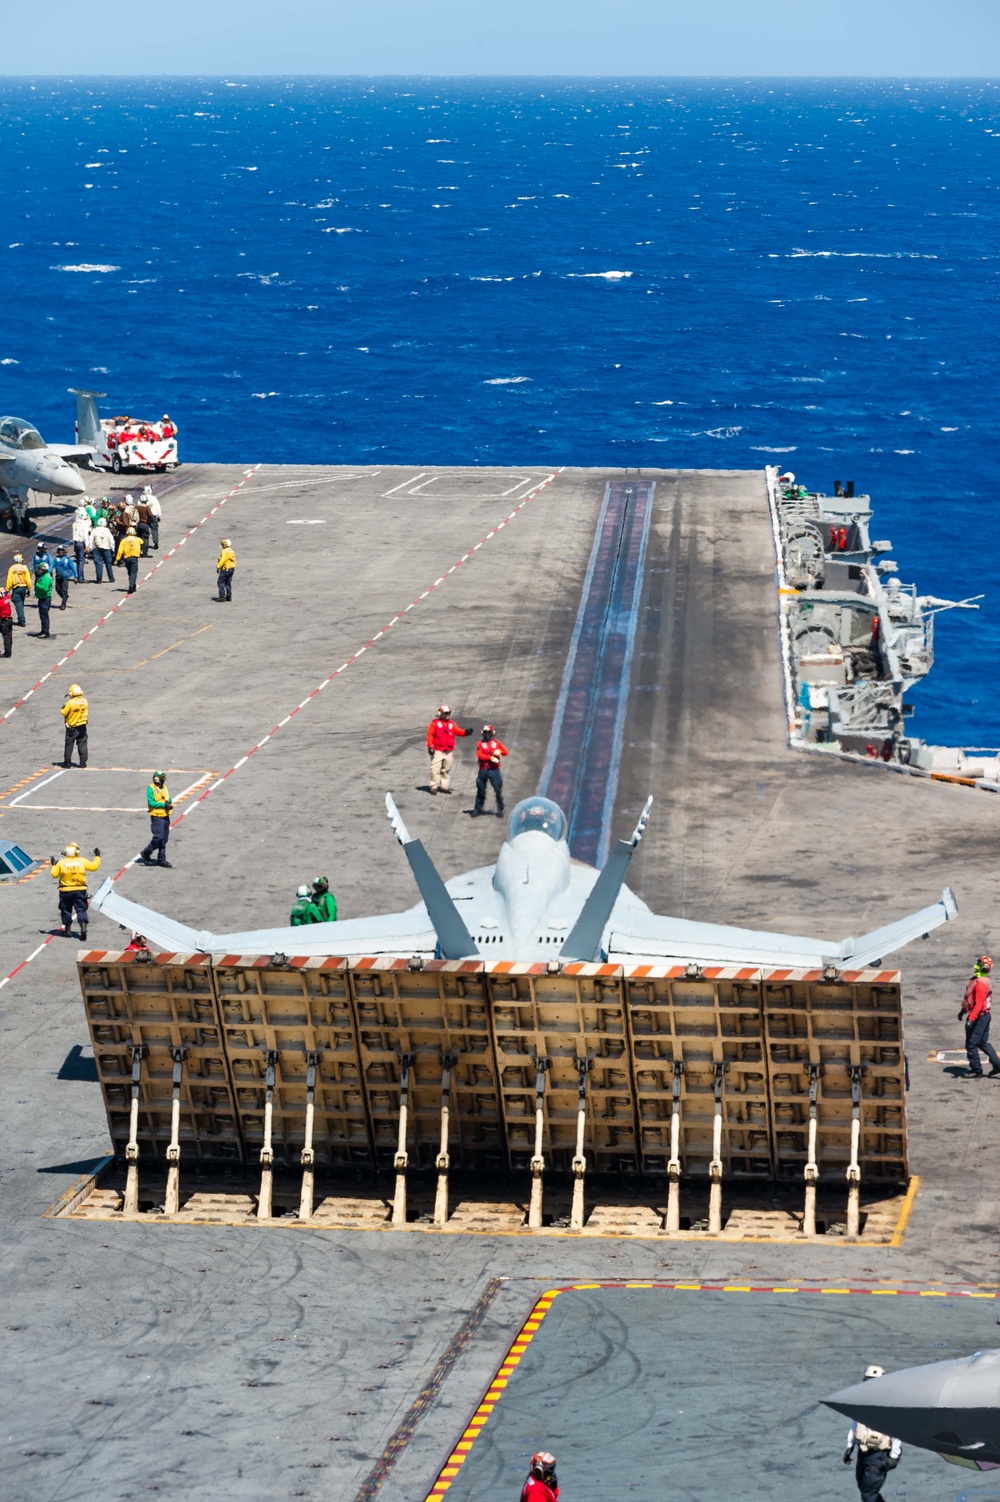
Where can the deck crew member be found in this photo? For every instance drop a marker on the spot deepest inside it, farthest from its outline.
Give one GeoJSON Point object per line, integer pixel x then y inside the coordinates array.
{"type": "Point", "coordinates": [225, 569]}
{"type": "Point", "coordinates": [541, 1484]}
{"type": "Point", "coordinates": [76, 713]}
{"type": "Point", "coordinates": [441, 733]}
{"type": "Point", "coordinates": [103, 549]}
{"type": "Point", "coordinates": [19, 585]}
{"type": "Point", "coordinates": [305, 910]}
{"type": "Point", "coordinates": [324, 899]}
{"type": "Point", "coordinates": [168, 427]}
{"type": "Point", "coordinates": [160, 806]}
{"type": "Point", "coordinates": [83, 531]}
{"type": "Point", "coordinates": [43, 595]}
{"type": "Point", "coordinates": [6, 622]}
{"type": "Point", "coordinates": [976, 1012]}
{"type": "Point", "coordinates": [129, 550]}
{"type": "Point", "coordinates": [64, 573]}
{"type": "Point", "coordinates": [488, 753]}
{"type": "Point", "coordinates": [39, 556]}
{"type": "Point", "coordinates": [70, 871]}
{"type": "Point", "coordinates": [143, 525]}
{"type": "Point", "coordinates": [877, 1454]}
{"type": "Point", "coordinates": [155, 516]}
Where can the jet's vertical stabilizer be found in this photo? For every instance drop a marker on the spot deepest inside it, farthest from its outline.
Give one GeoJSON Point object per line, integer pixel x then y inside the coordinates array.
{"type": "Point", "coordinates": [454, 938]}
{"type": "Point", "coordinates": [88, 423]}
{"type": "Point", "coordinates": [583, 942]}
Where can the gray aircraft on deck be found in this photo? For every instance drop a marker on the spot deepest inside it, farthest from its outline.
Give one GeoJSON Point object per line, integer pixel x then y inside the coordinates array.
{"type": "Point", "coordinates": [27, 462]}
{"type": "Point", "coordinates": [949, 1407]}
{"type": "Point", "coordinates": [534, 903]}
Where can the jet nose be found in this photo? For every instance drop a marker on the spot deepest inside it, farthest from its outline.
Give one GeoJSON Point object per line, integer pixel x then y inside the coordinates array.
{"type": "Point", "coordinates": [68, 479]}
{"type": "Point", "coordinates": [872, 1401]}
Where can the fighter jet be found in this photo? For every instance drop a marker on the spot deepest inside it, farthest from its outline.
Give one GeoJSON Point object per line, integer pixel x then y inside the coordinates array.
{"type": "Point", "coordinates": [949, 1407]}
{"type": "Point", "coordinates": [534, 903]}
{"type": "Point", "coordinates": [27, 462]}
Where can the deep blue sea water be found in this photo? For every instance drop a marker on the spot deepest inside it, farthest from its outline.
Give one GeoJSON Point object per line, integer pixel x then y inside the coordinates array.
{"type": "Point", "coordinates": [653, 272]}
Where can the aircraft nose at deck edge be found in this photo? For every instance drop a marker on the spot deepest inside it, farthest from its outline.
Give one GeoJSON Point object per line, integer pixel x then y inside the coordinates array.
{"type": "Point", "coordinates": [946, 1406]}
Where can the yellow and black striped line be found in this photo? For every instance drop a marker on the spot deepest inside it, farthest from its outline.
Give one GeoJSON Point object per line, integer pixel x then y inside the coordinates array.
{"type": "Point", "coordinates": [533, 1323]}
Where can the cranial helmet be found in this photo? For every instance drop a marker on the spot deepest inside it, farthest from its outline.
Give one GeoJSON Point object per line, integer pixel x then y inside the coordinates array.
{"type": "Point", "coordinates": [543, 1466]}
{"type": "Point", "coordinates": [72, 849]}
{"type": "Point", "coordinates": [984, 964]}
{"type": "Point", "coordinates": [874, 1371]}
{"type": "Point", "coordinates": [75, 688]}
{"type": "Point", "coordinates": [159, 778]}
{"type": "Point", "coordinates": [302, 891]}
{"type": "Point", "coordinates": [444, 709]}
{"type": "Point", "coordinates": [487, 729]}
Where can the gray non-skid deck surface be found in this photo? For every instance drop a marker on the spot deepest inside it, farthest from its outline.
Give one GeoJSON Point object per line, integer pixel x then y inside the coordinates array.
{"type": "Point", "coordinates": [657, 1393]}
{"type": "Point", "coordinates": [128, 1352]}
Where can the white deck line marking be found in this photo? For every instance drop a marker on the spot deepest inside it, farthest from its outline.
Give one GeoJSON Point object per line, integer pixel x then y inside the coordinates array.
{"type": "Point", "coordinates": [36, 789]}
{"type": "Point", "coordinates": [423, 485]}
{"type": "Point", "coordinates": [403, 484]}
{"type": "Point", "coordinates": [197, 783]}
{"type": "Point", "coordinates": [125, 598]}
{"type": "Point", "coordinates": [186, 812]}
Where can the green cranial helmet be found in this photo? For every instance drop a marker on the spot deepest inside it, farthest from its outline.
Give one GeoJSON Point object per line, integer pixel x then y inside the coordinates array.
{"type": "Point", "coordinates": [322, 883]}
{"type": "Point", "coordinates": [159, 778]}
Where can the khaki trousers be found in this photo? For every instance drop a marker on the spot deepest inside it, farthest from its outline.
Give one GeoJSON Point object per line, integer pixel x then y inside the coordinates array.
{"type": "Point", "coordinates": [441, 764]}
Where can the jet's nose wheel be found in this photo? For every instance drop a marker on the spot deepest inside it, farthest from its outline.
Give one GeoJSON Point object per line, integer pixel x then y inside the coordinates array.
{"type": "Point", "coordinates": [116, 463]}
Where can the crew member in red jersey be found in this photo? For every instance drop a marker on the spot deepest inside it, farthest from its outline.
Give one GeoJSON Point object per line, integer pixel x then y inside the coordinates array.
{"type": "Point", "coordinates": [441, 733]}
{"type": "Point", "coordinates": [976, 1013]}
{"type": "Point", "coordinates": [488, 754]}
{"type": "Point", "coordinates": [541, 1485]}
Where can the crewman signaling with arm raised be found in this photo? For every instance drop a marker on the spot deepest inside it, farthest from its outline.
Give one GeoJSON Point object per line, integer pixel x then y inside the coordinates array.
{"type": "Point", "coordinates": [488, 754]}
{"type": "Point", "coordinates": [324, 899]}
{"type": "Point", "coordinates": [70, 871]}
{"type": "Point", "coordinates": [878, 1454]}
{"type": "Point", "coordinates": [976, 1012]}
{"type": "Point", "coordinates": [160, 806]}
{"type": "Point", "coordinates": [76, 713]}
{"type": "Point", "coordinates": [541, 1485]}
{"type": "Point", "coordinates": [441, 733]}
{"type": "Point", "coordinates": [225, 569]}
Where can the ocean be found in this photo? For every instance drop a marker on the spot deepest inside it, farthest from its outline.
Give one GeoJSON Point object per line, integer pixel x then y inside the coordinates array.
{"type": "Point", "coordinates": [657, 272]}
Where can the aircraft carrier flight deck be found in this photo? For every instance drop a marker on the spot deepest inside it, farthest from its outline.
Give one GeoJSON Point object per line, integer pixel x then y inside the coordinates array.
{"type": "Point", "coordinates": [211, 1361]}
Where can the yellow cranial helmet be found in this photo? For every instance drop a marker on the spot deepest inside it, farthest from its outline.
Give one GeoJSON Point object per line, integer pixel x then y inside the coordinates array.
{"type": "Point", "coordinates": [72, 849]}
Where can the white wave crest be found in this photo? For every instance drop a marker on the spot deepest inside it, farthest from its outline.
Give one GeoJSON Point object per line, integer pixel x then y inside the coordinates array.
{"type": "Point", "coordinates": [86, 266]}
{"type": "Point", "coordinates": [506, 380]}
{"type": "Point", "coordinates": [607, 276]}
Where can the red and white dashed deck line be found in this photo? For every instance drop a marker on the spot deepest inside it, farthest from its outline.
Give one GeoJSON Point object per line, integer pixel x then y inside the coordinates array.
{"type": "Point", "coordinates": [309, 697]}
{"type": "Point", "coordinates": [125, 598]}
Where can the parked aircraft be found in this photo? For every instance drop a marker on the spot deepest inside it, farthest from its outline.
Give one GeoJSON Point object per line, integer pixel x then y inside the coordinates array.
{"type": "Point", "coordinates": [534, 903]}
{"type": "Point", "coordinates": [949, 1407]}
{"type": "Point", "coordinates": [27, 462]}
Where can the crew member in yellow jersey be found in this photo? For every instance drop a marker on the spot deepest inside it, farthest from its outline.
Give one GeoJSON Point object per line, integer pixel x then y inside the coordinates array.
{"type": "Point", "coordinates": [129, 552]}
{"type": "Point", "coordinates": [160, 806]}
{"type": "Point", "coordinates": [225, 569]}
{"type": "Point", "coordinates": [70, 871]}
{"type": "Point", "coordinates": [76, 713]}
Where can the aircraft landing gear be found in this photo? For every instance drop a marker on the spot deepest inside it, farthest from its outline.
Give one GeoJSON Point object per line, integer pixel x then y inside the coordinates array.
{"type": "Point", "coordinates": [116, 463]}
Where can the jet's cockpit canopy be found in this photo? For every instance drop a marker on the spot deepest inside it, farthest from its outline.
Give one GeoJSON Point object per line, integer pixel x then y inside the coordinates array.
{"type": "Point", "coordinates": [537, 813]}
{"type": "Point", "coordinates": [18, 434]}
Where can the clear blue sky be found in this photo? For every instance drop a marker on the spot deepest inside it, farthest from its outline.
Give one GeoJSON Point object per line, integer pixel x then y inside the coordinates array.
{"type": "Point", "coordinates": [921, 38]}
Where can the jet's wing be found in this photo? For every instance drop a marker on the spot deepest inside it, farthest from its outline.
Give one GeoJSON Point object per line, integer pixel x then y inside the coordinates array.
{"type": "Point", "coordinates": [389, 933]}
{"type": "Point", "coordinates": [72, 451]}
{"type": "Point", "coordinates": [656, 938]}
